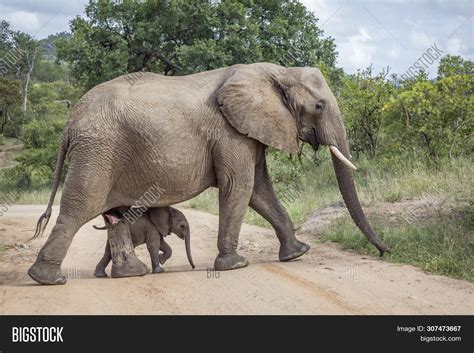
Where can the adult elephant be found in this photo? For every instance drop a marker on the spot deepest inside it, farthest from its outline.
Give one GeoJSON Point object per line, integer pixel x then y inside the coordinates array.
{"type": "Point", "coordinates": [187, 134]}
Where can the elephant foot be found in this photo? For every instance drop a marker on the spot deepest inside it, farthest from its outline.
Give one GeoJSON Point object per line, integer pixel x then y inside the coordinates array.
{"type": "Point", "coordinates": [158, 269]}
{"type": "Point", "coordinates": [45, 273]}
{"type": "Point", "coordinates": [100, 273]}
{"type": "Point", "coordinates": [162, 259]}
{"type": "Point", "coordinates": [230, 262]}
{"type": "Point", "coordinates": [292, 249]}
{"type": "Point", "coordinates": [130, 268]}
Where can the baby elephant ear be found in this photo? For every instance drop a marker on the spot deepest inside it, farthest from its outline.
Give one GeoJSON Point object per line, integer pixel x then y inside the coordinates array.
{"type": "Point", "coordinates": [255, 104]}
{"type": "Point", "coordinates": [160, 217]}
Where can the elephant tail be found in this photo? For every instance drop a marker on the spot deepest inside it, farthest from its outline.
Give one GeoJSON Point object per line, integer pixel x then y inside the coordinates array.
{"type": "Point", "coordinates": [44, 218]}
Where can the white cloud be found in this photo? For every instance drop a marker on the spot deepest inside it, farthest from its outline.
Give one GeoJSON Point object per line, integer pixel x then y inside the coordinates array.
{"type": "Point", "coordinates": [459, 7]}
{"type": "Point", "coordinates": [453, 46]}
{"type": "Point", "coordinates": [420, 40]}
{"type": "Point", "coordinates": [394, 52]}
{"type": "Point", "coordinates": [358, 51]}
{"type": "Point", "coordinates": [24, 21]}
{"type": "Point", "coordinates": [324, 12]}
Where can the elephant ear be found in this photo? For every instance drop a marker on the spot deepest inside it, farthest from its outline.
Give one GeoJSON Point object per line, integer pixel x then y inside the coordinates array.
{"type": "Point", "coordinates": [255, 103]}
{"type": "Point", "coordinates": [160, 217]}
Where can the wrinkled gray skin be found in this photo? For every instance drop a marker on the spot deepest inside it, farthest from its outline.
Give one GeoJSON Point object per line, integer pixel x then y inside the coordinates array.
{"type": "Point", "coordinates": [187, 134]}
{"type": "Point", "coordinates": [124, 261]}
{"type": "Point", "coordinates": [150, 229]}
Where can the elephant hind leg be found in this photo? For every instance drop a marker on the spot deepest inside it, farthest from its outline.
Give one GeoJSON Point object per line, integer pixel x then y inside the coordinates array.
{"type": "Point", "coordinates": [265, 202]}
{"type": "Point", "coordinates": [47, 268]}
{"type": "Point", "coordinates": [78, 206]}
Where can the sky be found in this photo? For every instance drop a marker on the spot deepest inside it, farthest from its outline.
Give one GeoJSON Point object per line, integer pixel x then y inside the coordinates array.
{"type": "Point", "coordinates": [381, 33]}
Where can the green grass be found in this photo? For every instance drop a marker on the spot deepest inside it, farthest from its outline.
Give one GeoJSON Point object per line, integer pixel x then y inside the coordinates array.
{"type": "Point", "coordinates": [31, 197]}
{"type": "Point", "coordinates": [443, 245]}
{"type": "Point", "coordinates": [37, 197]}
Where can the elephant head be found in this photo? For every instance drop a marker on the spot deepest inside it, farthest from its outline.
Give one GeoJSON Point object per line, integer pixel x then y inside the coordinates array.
{"type": "Point", "coordinates": [282, 106]}
{"type": "Point", "coordinates": [170, 220]}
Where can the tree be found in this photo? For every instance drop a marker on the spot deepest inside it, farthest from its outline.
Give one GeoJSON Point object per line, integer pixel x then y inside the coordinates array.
{"type": "Point", "coordinates": [10, 96]}
{"type": "Point", "coordinates": [180, 37]}
{"type": "Point", "coordinates": [450, 65]}
{"type": "Point", "coordinates": [434, 117]}
{"type": "Point", "coordinates": [362, 99]}
{"type": "Point", "coordinates": [19, 52]}
{"type": "Point", "coordinates": [24, 66]}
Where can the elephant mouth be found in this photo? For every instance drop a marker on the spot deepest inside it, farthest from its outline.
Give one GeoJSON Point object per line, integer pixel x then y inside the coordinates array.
{"type": "Point", "coordinates": [312, 140]}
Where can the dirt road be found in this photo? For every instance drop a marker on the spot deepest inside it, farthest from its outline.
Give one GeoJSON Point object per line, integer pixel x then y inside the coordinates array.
{"type": "Point", "coordinates": [325, 281]}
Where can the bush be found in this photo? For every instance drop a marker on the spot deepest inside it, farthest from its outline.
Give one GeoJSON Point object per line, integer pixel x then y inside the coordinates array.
{"type": "Point", "coordinates": [17, 177]}
{"type": "Point", "coordinates": [39, 134]}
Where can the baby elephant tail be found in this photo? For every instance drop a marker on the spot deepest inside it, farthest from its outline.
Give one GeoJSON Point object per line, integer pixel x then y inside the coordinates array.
{"type": "Point", "coordinates": [99, 228]}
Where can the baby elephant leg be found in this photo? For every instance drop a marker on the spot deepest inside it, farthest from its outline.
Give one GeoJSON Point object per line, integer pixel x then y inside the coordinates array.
{"type": "Point", "coordinates": [100, 268]}
{"type": "Point", "coordinates": [153, 246]}
{"type": "Point", "coordinates": [167, 251]}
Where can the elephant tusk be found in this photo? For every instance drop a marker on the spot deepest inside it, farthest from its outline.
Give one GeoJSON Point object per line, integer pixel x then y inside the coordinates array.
{"type": "Point", "coordinates": [341, 157]}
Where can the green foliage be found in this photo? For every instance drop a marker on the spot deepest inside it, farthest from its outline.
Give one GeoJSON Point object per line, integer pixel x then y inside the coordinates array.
{"type": "Point", "coordinates": [47, 71]}
{"type": "Point", "coordinates": [454, 65]}
{"type": "Point", "coordinates": [183, 37]}
{"type": "Point", "coordinates": [432, 118]}
{"type": "Point", "coordinates": [41, 139]}
{"type": "Point", "coordinates": [17, 177]}
{"type": "Point", "coordinates": [10, 98]}
{"type": "Point", "coordinates": [48, 46]}
{"type": "Point", "coordinates": [10, 92]}
{"type": "Point", "coordinates": [49, 109]}
{"type": "Point", "coordinates": [414, 118]}
{"type": "Point", "coordinates": [39, 134]}
{"type": "Point", "coordinates": [362, 98]}
{"type": "Point", "coordinates": [21, 53]}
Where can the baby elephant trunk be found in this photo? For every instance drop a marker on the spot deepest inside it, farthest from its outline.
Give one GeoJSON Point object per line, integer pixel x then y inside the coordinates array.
{"type": "Point", "coordinates": [187, 242]}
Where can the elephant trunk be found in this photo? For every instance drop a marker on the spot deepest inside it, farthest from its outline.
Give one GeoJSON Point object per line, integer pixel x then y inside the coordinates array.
{"type": "Point", "coordinates": [187, 242]}
{"type": "Point", "coordinates": [346, 184]}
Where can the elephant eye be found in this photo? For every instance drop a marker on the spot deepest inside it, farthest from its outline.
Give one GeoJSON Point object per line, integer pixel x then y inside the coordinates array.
{"type": "Point", "coordinates": [320, 107]}
{"type": "Point", "coordinates": [182, 226]}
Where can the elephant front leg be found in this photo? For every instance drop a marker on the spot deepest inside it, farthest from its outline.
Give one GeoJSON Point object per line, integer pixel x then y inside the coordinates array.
{"type": "Point", "coordinates": [265, 202]}
{"type": "Point", "coordinates": [167, 251]}
{"type": "Point", "coordinates": [124, 261]}
{"type": "Point", "coordinates": [153, 245]}
{"type": "Point", "coordinates": [232, 209]}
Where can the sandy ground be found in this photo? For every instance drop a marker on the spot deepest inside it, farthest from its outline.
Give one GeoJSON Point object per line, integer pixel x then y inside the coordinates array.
{"type": "Point", "coordinates": [324, 281]}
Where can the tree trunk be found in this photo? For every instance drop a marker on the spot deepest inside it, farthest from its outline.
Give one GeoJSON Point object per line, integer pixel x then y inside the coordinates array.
{"type": "Point", "coordinates": [26, 85]}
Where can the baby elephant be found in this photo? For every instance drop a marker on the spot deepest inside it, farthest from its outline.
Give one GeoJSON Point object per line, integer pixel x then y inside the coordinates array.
{"type": "Point", "coordinates": [150, 228]}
